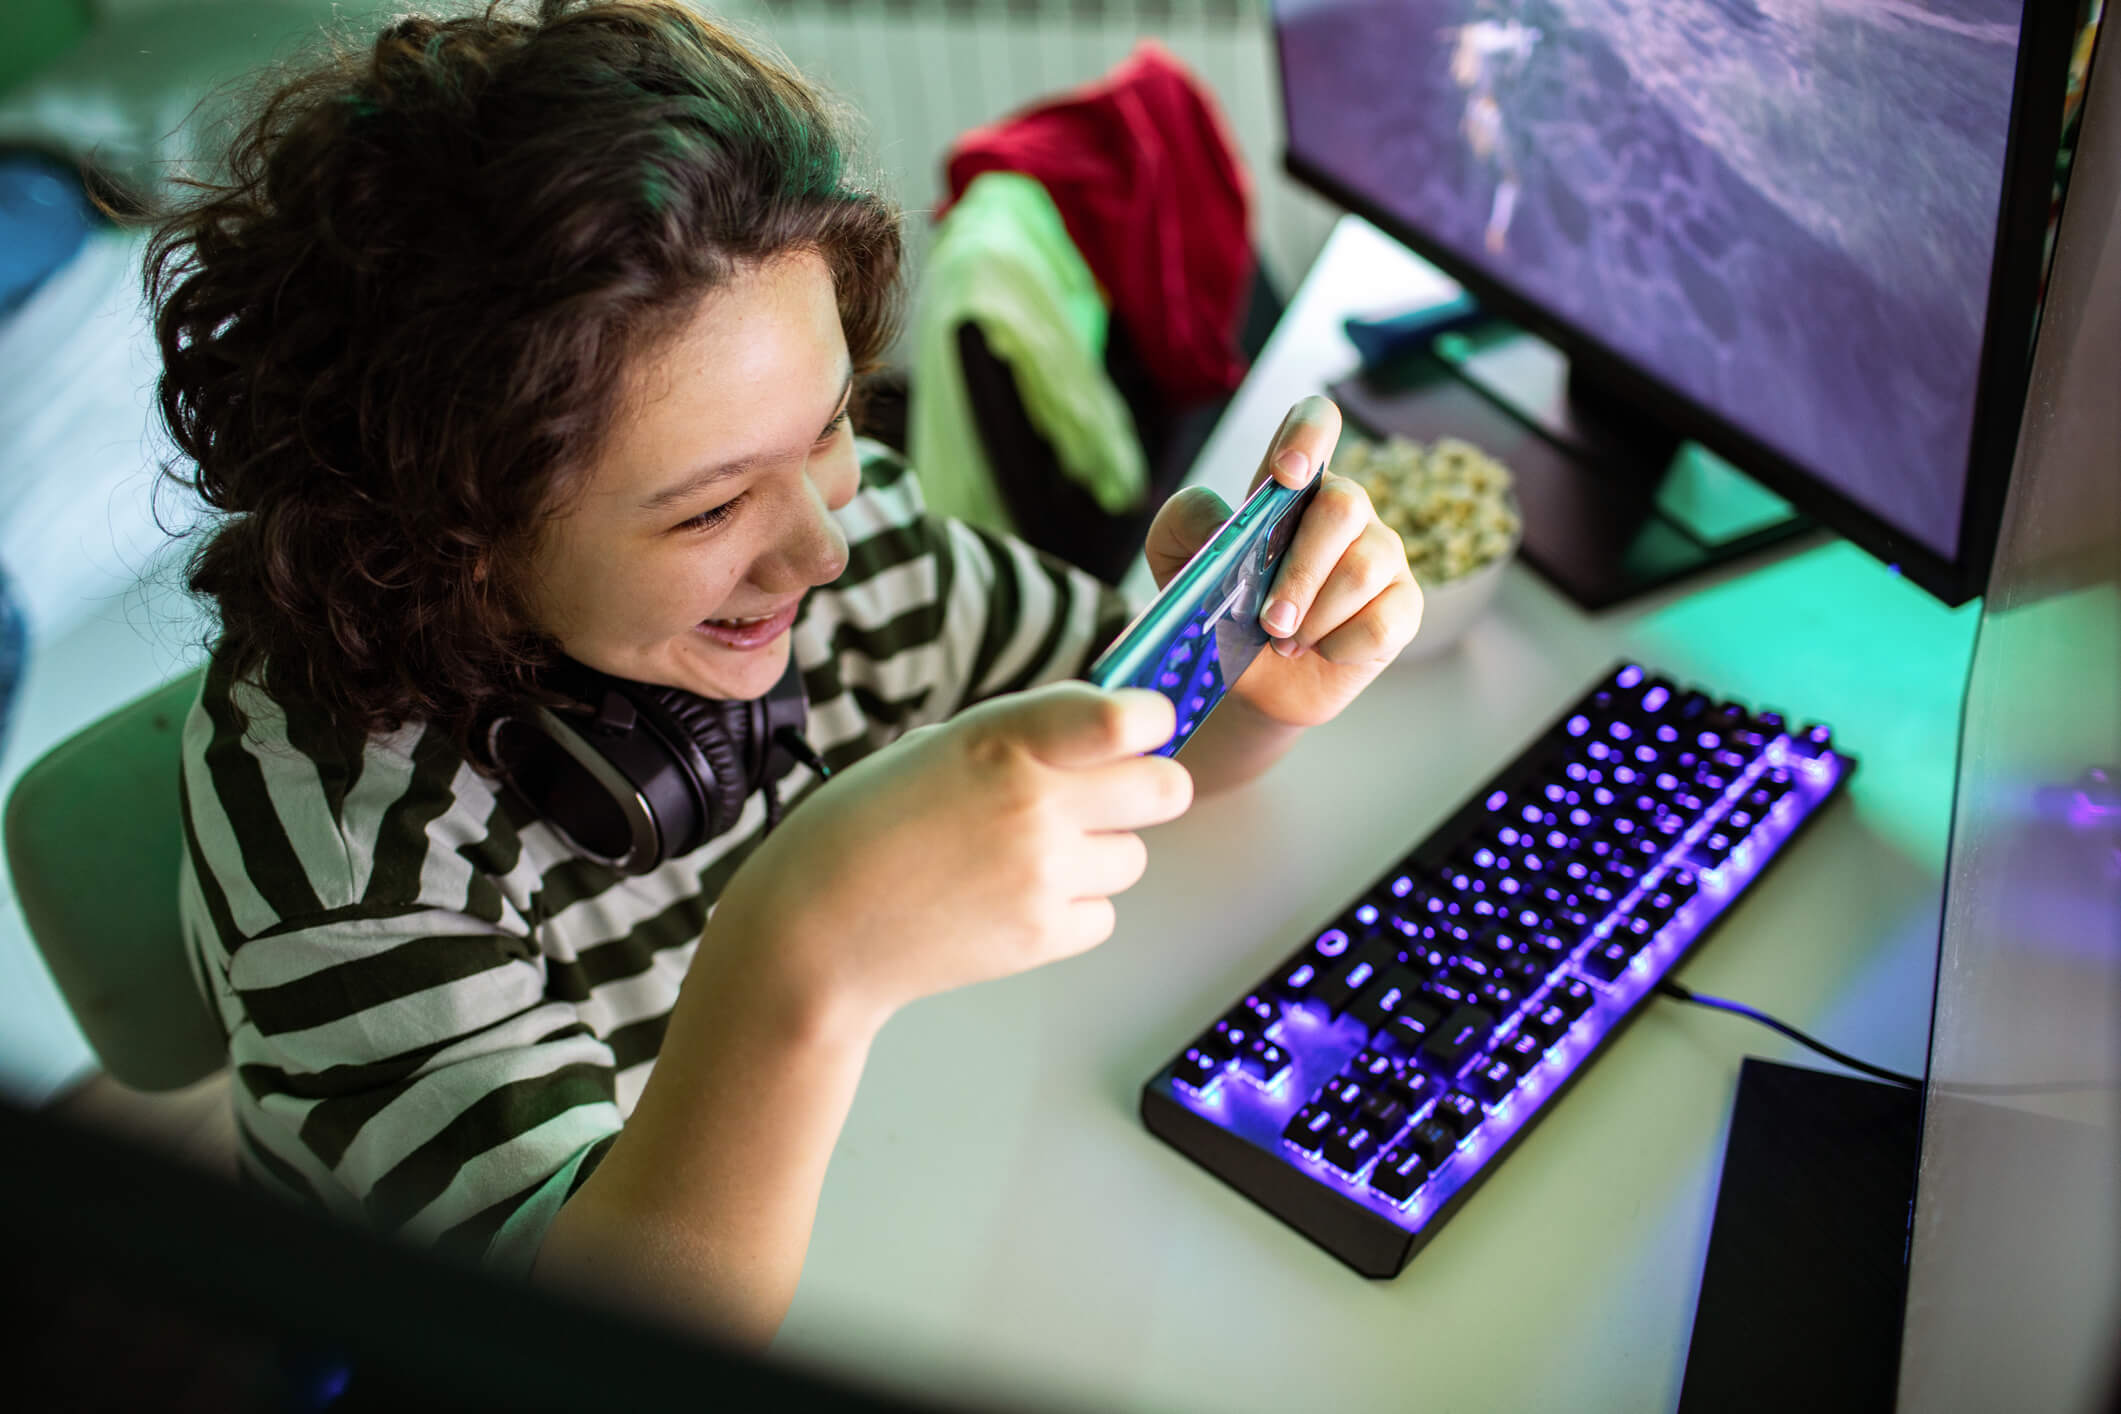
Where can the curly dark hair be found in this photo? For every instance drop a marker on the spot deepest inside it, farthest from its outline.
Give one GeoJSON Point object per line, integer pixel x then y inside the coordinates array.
{"type": "Point", "coordinates": [396, 332]}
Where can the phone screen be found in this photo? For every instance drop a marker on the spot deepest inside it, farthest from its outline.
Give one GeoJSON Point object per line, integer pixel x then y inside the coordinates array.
{"type": "Point", "coordinates": [1202, 631]}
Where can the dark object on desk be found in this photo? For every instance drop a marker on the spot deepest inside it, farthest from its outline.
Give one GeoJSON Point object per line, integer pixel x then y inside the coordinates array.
{"type": "Point", "coordinates": [153, 1284]}
{"type": "Point", "coordinates": [1049, 508]}
{"type": "Point", "coordinates": [1369, 1084]}
{"type": "Point", "coordinates": [45, 217]}
{"type": "Point", "coordinates": [1382, 340]}
{"type": "Point", "coordinates": [1588, 486]}
{"type": "Point", "coordinates": [1806, 1277]}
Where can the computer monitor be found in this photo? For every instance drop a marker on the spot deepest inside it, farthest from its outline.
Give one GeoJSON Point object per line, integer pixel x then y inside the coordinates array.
{"type": "Point", "coordinates": [1806, 236]}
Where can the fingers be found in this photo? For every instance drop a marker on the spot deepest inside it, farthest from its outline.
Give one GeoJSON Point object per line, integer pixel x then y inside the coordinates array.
{"type": "Point", "coordinates": [1383, 627]}
{"type": "Point", "coordinates": [1184, 524]}
{"type": "Point", "coordinates": [1072, 725]}
{"type": "Point", "coordinates": [1375, 559]}
{"type": "Point", "coordinates": [1086, 923]}
{"type": "Point", "coordinates": [1131, 794]}
{"type": "Point", "coordinates": [1303, 445]}
{"type": "Point", "coordinates": [1110, 864]}
{"type": "Point", "coordinates": [1335, 521]}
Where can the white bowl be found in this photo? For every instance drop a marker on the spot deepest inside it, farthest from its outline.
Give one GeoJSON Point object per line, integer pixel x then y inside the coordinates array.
{"type": "Point", "coordinates": [1449, 607]}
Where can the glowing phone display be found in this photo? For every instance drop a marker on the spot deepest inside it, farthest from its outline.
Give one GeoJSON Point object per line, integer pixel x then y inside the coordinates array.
{"type": "Point", "coordinates": [1200, 634]}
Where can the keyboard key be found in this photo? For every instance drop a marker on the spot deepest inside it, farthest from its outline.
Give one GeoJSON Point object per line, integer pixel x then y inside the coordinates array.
{"type": "Point", "coordinates": [1196, 1069]}
{"type": "Point", "coordinates": [1255, 1011]}
{"type": "Point", "coordinates": [1370, 1067]}
{"type": "Point", "coordinates": [1400, 1172]}
{"type": "Point", "coordinates": [1441, 995]}
{"type": "Point", "coordinates": [1546, 1025]}
{"type": "Point", "coordinates": [1657, 908]}
{"type": "Point", "coordinates": [1297, 983]}
{"type": "Point", "coordinates": [1410, 1026]}
{"type": "Point", "coordinates": [1458, 1112]}
{"type": "Point", "coordinates": [1711, 850]}
{"type": "Point", "coordinates": [1329, 945]}
{"type": "Point", "coordinates": [1525, 971]}
{"type": "Point", "coordinates": [1215, 1044]}
{"type": "Point", "coordinates": [1494, 1078]}
{"type": "Point", "coordinates": [1498, 995]}
{"type": "Point", "coordinates": [1412, 1088]}
{"type": "Point", "coordinates": [1435, 1142]}
{"type": "Point", "coordinates": [1346, 979]}
{"type": "Point", "coordinates": [1263, 1062]}
{"type": "Point", "coordinates": [1813, 742]}
{"type": "Point", "coordinates": [1383, 1112]}
{"type": "Point", "coordinates": [1342, 1096]}
{"type": "Point", "coordinates": [1453, 1042]}
{"type": "Point", "coordinates": [1394, 988]}
{"type": "Point", "coordinates": [1526, 1050]}
{"type": "Point", "coordinates": [1573, 996]}
{"type": "Point", "coordinates": [1349, 1146]}
{"type": "Point", "coordinates": [1609, 959]}
{"type": "Point", "coordinates": [1311, 1127]}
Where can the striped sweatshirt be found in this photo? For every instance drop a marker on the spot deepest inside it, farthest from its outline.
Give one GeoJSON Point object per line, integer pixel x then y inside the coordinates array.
{"type": "Point", "coordinates": [439, 1014]}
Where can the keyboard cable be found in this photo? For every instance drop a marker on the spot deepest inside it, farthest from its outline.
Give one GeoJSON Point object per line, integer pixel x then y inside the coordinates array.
{"type": "Point", "coordinates": [1678, 993]}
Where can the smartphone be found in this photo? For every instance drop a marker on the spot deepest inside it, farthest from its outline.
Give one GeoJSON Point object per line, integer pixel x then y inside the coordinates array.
{"type": "Point", "coordinates": [1200, 634]}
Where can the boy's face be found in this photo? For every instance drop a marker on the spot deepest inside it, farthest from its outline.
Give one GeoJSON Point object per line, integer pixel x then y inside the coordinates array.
{"type": "Point", "coordinates": [706, 517]}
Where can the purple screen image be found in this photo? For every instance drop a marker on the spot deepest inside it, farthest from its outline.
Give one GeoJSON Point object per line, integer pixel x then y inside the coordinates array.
{"type": "Point", "coordinates": [1784, 209]}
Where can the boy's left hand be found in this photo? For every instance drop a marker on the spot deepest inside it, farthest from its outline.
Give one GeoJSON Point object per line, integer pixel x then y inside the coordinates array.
{"type": "Point", "coordinates": [1343, 603]}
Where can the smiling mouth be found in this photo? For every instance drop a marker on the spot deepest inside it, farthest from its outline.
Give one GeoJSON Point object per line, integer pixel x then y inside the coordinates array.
{"type": "Point", "coordinates": [749, 631]}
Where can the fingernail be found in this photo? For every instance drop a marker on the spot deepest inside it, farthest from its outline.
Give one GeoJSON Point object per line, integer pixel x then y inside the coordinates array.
{"type": "Point", "coordinates": [1287, 647]}
{"type": "Point", "coordinates": [1279, 619]}
{"type": "Point", "coordinates": [1291, 463]}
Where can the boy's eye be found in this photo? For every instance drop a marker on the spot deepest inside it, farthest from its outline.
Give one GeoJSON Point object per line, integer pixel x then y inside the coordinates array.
{"type": "Point", "coordinates": [708, 520]}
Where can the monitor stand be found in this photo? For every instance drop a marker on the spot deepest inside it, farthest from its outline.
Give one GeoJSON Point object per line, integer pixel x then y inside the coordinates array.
{"type": "Point", "coordinates": [1613, 504]}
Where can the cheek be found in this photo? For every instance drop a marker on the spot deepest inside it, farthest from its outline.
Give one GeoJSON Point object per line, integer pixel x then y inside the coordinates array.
{"type": "Point", "coordinates": [650, 595]}
{"type": "Point", "coordinates": [692, 583]}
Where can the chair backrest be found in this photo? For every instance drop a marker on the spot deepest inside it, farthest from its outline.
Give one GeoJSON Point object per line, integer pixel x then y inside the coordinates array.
{"type": "Point", "coordinates": [93, 843]}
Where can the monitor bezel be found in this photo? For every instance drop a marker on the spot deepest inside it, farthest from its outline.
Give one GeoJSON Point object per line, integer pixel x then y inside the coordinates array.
{"type": "Point", "coordinates": [2044, 39]}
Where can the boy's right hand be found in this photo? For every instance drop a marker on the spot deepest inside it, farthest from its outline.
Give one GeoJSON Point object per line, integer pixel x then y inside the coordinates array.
{"type": "Point", "coordinates": [961, 852]}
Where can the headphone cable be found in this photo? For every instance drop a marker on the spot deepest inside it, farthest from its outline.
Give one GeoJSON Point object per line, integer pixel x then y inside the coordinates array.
{"type": "Point", "coordinates": [791, 741]}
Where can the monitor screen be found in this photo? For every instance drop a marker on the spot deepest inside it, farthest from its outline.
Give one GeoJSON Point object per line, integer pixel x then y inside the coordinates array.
{"type": "Point", "coordinates": [1783, 214]}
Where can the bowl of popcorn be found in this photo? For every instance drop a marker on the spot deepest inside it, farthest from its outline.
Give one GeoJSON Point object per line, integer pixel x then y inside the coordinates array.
{"type": "Point", "coordinates": [1453, 508]}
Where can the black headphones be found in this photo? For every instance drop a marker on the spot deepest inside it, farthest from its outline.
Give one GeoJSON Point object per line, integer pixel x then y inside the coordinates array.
{"type": "Point", "coordinates": [634, 774]}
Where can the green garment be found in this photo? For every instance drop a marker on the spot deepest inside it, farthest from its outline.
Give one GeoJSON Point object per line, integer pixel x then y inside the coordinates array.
{"type": "Point", "coordinates": [1003, 260]}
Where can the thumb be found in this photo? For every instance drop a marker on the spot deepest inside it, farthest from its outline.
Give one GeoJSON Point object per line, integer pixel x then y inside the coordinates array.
{"type": "Point", "coordinates": [1073, 725]}
{"type": "Point", "coordinates": [1186, 523]}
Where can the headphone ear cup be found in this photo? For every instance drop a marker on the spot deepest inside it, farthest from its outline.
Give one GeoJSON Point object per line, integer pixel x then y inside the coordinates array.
{"type": "Point", "coordinates": [707, 735]}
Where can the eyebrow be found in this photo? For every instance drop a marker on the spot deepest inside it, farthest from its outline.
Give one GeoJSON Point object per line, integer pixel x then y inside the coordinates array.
{"type": "Point", "coordinates": [705, 477]}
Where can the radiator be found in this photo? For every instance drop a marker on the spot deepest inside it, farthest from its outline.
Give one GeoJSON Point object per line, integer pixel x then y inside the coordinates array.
{"type": "Point", "coordinates": [920, 72]}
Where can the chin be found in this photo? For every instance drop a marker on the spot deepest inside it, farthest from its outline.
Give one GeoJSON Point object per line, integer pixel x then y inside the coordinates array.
{"type": "Point", "coordinates": [713, 671]}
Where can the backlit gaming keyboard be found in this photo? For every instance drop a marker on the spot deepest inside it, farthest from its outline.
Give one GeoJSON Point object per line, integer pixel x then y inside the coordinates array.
{"type": "Point", "coordinates": [1367, 1085]}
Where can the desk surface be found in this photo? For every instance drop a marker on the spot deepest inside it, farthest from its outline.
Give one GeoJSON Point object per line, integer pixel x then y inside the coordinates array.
{"type": "Point", "coordinates": [996, 1224]}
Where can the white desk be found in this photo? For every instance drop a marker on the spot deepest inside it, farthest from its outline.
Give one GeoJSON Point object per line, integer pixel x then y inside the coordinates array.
{"type": "Point", "coordinates": [998, 1226]}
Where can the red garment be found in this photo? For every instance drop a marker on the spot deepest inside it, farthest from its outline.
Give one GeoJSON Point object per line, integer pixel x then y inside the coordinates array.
{"type": "Point", "coordinates": [1156, 201]}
